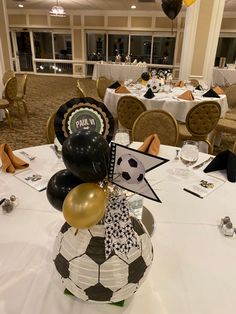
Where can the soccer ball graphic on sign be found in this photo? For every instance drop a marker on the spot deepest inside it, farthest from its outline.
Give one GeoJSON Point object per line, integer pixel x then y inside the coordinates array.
{"type": "Point", "coordinates": [130, 169]}
{"type": "Point", "coordinates": [79, 257]}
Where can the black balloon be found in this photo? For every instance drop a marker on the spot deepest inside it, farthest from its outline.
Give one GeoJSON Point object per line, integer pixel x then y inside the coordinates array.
{"type": "Point", "coordinates": [59, 186]}
{"type": "Point", "coordinates": [145, 76]}
{"type": "Point", "coordinates": [86, 155]}
{"type": "Point", "coordinates": [171, 7]}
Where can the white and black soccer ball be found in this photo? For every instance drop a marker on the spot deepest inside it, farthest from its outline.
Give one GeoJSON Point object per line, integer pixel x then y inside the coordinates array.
{"type": "Point", "coordinates": [79, 257]}
{"type": "Point", "coordinates": [130, 169]}
{"type": "Point", "coordinates": [154, 84]}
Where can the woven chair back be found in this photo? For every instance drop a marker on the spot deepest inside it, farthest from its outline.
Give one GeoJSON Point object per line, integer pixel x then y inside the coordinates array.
{"type": "Point", "coordinates": [50, 131]}
{"type": "Point", "coordinates": [6, 76]}
{"type": "Point", "coordinates": [203, 118]}
{"type": "Point", "coordinates": [156, 121]}
{"type": "Point", "coordinates": [128, 110]}
{"type": "Point", "coordinates": [230, 93]}
{"type": "Point", "coordinates": [102, 84]}
{"type": "Point", "coordinates": [11, 89]}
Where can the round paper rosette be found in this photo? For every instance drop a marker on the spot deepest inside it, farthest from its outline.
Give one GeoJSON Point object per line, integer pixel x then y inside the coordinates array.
{"type": "Point", "coordinates": [80, 260]}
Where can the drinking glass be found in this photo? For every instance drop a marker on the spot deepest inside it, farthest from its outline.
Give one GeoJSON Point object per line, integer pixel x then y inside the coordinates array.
{"type": "Point", "coordinates": [189, 154]}
{"type": "Point", "coordinates": [122, 137]}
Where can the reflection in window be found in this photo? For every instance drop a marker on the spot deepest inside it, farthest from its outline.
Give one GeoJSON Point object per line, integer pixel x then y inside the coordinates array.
{"type": "Point", "coordinates": [117, 44]}
{"type": "Point", "coordinates": [163, 50]}
{"type": "Point", "coordinates": [62, 46]}
{"type": "Point", "coordinates": [140, 48]}
{"type": "Point", "coordinates": [43, 45]}
{"type": "Point", "coordinates": [44, 67]}
{"type": "Point", "coordinates": [96, 47]}
{"type": "Point", "coordinates": [63, 68]}
{"type": "Point", "coordinates": [226, 48]}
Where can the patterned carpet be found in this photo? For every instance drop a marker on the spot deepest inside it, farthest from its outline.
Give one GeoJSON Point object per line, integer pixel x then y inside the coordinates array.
{"type": "Point", "coordinates": [44, 95]}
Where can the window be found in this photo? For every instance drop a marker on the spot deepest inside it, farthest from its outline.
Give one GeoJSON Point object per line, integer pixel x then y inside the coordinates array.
{"type": "Point", "coordinates": [43, 45]}
{"type": "Point", "coordinates": [62, 46]}
{"type": "Point", "coordinates": [96, 47]}
{"type": "Point", "coordinates": [163, 50]}
{"type": "Point", "coordinates": [226, 48]}
{"type": "Point", "coordinates": [117, 44]}
{"type": "Point", "coordinates": [140, 48]}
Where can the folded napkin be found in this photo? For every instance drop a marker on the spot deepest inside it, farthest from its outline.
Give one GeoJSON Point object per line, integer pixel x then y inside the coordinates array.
{"type": "Point", "coordinates": [149, 94]}
{"type": "Point", "coordinates": [224, 160]}
{"type": "Point", "coordinates": [218, 90]}
{"type": "Point", "coordinates": [114, 85]}
{"type": "Point", "coordinates": [9, 161]}
{"type": "Point", "coordinates": [186, 95]}
{"type": "Point", "coordinates": [151, 145]}
{"type": "Point", "coordinates": [211, 93]}
{"type": "Point", "coordinates": [179, 84]}
{"type": "Point", "coordinates": [199, 87]}
{"type": "Point", "coordinates": [122, 90]}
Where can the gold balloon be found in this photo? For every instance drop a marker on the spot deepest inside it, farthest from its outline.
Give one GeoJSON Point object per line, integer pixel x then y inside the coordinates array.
{"type": "Point", "coordinates": [84, 205]}
{"type": "Point", "coordinates": [189, 2]}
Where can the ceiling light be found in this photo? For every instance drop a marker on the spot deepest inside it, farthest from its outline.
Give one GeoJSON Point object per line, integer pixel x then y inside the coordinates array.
{"type": "Point", "coordinates": [57, 11]}
{"type": "Point", "coordinates": [133, 6]}
{"type": "Point", "coordinates": [20, 6]}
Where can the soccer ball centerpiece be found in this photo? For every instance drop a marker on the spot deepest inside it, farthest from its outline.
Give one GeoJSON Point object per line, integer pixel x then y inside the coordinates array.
{"type": "Point", "coordinates": [155, 84]}
{"type": "Point", "coordinates": [102, 253]}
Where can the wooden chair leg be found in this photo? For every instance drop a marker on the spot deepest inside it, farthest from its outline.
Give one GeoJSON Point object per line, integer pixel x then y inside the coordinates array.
{"type": "Point", "coordinates": [8, 117]}
{"type": "Point", "coordinates": [25, 108]}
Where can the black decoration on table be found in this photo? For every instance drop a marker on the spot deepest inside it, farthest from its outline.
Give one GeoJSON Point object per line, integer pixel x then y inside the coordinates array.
{"type": "Point", "coordinates": [224, 160]}
{"type": "Point", "coordinates": [211, 93]}
{"type": "Point", "coordinates": [114, 85]}
{"type": "Point", "coordinates": [149, 94]}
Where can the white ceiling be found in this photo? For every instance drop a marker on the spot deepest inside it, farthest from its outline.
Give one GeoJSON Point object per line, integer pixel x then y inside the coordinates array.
{"type": "Point", "coordinates": [141, 5]}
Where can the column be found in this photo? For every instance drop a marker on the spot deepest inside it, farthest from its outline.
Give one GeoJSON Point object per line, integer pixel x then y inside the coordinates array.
{"type": "Point", "coordinates": [5, 50]}
{"type": "Point", "coordinates": [201, 34]}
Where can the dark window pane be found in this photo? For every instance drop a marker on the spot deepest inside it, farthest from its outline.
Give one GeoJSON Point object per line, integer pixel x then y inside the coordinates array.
{"type": "Point", "coordinates": [62, 46]}
{"type": "Point", "coordinates": [117, 44]}
{"type": "Point", "coordinates": [43, 45]}
{"type": "Point", "coordinates": [140, 48]}
{"type": "Point", "coordinates": [96, 47]}
{"type": "Point", "coordinates": [163, 50]}
{"type": "Point", "coordinates": [227, 49]}
{"type": "Point", "coordinates": [64, 68]}
{"type": "Point", "coordinates": [12, 51]}
{"type": "Point", "coordinates": [89, 68]}
{"type": "Point", "coordinates": [24, 51]}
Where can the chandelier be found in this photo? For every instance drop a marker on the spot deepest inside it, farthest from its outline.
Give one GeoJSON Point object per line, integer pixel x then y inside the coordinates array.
{"type": "Point", "coordinates": [57, 10]}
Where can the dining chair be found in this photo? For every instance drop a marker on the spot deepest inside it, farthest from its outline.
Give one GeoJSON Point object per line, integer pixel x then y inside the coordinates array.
{"type": "Point", "coordinates": [4, 105]}
{"type": "Point", "coordinates": [21, 91]}
{"type": "Point", "coordinates": [200, 123]}
{"type": "Point", "coordinates": [128, 109]}
{"type": "Point", "coordinates": [156, 121]}
{"type": "Point", "coordinates": [234, 147]}
{"type": "Point", "coordinates": [102, 84]}
{"type": "Point", "coordinates": [50, 131]}
{"type": "Point", "coordinates": [80, 92]}
{"type": "Point", "coordinates": [7, 75]}
{"type": "Point", "coordinates": [230, 93]}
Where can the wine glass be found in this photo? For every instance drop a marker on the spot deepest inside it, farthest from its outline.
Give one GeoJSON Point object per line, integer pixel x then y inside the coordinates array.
{"type": "Point", "coordinates": [122, 137]}
{"type": "Point", "coordinates": [189, 154]}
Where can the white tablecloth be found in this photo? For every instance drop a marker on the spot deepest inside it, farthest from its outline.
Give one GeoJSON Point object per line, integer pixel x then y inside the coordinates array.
{"type": "Point", "coordinates": [194, 265]}
{"type": "Point", "coordinates": [169, 102]}
{"type": "Point", "coordinates": [223, 77]}
{"type": "Point", "coordinates": [118, 72]}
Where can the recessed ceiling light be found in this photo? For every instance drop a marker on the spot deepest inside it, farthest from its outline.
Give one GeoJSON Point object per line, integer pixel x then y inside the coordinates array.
{"type": "Point", "coordinates": [20, 6]}
{"type": "Point", "coordinates": [133, 6]}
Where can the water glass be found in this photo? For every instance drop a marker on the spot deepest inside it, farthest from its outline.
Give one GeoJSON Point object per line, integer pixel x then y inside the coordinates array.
{"type": "Point", "coordinates": [122, 137]}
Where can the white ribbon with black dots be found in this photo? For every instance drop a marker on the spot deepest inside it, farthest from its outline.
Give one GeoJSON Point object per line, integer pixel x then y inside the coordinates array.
{"type": "Point", "coordinates": [120, 236]}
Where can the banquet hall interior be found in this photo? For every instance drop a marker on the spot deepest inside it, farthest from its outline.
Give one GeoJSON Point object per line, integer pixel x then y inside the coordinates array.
{"type": "Point", "coordinates": [117, 156]}
{"type": "Point", "coordinates": [58, 52]}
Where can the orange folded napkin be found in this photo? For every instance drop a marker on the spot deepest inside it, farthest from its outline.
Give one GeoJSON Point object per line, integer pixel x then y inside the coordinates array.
{"type": "Point", "coordinates": [186, 95]}
{"type": "Point", "coordinates": [151, 145]}
{"type": "Point", "coordinates": [9, 161]}
{"type": "Point", "coordinates": [122, 90]}
{"type": "Point", "coordinates": [179, 84]}
{"type": "Point", "coordinates": [218, 90]}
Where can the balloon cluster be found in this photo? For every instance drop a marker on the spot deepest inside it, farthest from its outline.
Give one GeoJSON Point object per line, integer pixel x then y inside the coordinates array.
{"type": "Point", "coordinates": [76, 190]}
{"type": "Point", "coordinates": [171, 8]}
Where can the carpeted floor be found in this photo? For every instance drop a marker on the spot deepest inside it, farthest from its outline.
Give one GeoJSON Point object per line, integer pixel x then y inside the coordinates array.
{"type": "Point", "coordinates": [43, 96]}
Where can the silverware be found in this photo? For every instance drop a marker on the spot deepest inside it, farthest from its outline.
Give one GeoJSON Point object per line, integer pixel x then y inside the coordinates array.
{"type": "Point", "coordinates": [203, 163]}
{"type": "Point", "coordinates": [27, 155]}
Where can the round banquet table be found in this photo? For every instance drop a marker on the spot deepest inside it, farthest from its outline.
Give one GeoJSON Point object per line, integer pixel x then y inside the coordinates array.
{"type": "Point", "coordinates": [193, 270]}
{"type": "Point", "coordinates": [166, 101]}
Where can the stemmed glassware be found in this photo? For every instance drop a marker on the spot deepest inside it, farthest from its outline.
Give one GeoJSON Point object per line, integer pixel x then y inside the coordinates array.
{"type": "Point", "coordinates": [122, 137]}
{"type": "Point", "coordinates": [189, 154]}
